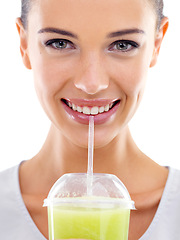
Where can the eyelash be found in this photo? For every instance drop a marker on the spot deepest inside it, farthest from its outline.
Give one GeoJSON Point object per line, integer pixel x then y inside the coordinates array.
{"type": "Point", "coordinates": [113, 46]}
{"type": "Point", "coordinates": [130, 45]}
{"type": "Point", "coordinates": [52, 42]}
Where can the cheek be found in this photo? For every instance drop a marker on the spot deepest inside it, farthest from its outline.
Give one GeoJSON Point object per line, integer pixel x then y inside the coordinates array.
{"type": "Point", "coordinates": [131, 74]}
{"type": "Point", "coordinates": [50, 76]}
{"type": "Point", "coordinates": [135, 79]}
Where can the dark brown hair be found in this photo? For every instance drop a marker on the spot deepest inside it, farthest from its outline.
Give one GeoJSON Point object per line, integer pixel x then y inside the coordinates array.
{"type": "Point", "coordinates": [26, 5]}
{"type": "Point", "coordinates": [25, 8]}
{"type": "Point", "coordinates": [158, 7]}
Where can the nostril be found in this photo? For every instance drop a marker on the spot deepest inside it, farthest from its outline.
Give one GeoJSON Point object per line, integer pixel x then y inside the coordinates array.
{"type": "Point", "coordinates": [92, 79]}
{"type": "Point", "coordinates": [91, 87]}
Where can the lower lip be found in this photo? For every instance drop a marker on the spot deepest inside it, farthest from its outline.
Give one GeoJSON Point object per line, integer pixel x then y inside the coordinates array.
{"type": "Point", "coordinates": [84, 119]}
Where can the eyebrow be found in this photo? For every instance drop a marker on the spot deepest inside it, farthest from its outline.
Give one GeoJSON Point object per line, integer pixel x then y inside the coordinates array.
{"type": "Point", "coordinates": [125, 32]}
{"type": "Point", "coordinates": [110, 35]}
{"type": "Point", "coordinates": [58, 31]}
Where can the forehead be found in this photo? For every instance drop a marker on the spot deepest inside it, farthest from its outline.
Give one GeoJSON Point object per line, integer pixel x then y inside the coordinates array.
{"type": "Point", "coordinates": [99, 15]}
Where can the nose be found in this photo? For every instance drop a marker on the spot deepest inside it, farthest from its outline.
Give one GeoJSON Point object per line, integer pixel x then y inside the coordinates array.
{"type": "Point", "coordinates": [91, 76]}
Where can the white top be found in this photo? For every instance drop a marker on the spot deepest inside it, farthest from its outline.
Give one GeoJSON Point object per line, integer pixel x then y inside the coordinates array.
{"type": "Point", "coordinates": [17, 224]}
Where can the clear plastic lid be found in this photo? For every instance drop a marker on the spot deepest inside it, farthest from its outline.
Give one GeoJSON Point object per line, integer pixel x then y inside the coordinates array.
{"type": "Point", "coordinates": [96, 190]}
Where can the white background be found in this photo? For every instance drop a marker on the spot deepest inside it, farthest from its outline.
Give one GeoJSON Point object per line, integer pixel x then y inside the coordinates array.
{"type": "Point", "coordinates": [24, 126]}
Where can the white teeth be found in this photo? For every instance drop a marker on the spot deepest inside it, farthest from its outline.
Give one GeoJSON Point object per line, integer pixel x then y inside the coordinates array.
{"type": "Point", "coordinates": [79, 109]}
{"type": "Point", "coordinates": [101, 109]}
{"type": "Point", "coordinates": [74, 107]}
{"type": "Point", "coordinates": [69, 104]}
{"type": "Point", "coordinates": [106, 109]}
{"type": "Point", "coordinates": [86, 110]}
{"type": "Point", "coordinates": [94, 110]}
{"type": "Point", "coordinates": [90, 110]}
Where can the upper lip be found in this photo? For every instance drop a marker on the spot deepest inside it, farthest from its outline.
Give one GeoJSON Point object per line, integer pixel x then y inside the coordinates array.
{"type": "Point", "coordinates": [90, 102]}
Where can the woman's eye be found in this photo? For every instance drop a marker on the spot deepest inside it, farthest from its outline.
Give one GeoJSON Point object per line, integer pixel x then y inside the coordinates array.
{"type": "Point", "coordinates": [123, 46]}
{"type": "Point", "coordinates": [59, 44]}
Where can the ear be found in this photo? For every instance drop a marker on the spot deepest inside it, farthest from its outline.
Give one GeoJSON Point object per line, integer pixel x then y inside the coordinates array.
{"type": "Point", "coordinates": [158, 40]}
{"type": "Point", "coordinates": [23, 43]}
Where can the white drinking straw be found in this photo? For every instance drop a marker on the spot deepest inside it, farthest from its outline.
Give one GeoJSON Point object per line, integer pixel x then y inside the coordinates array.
{"type": "Point", "coordinates": [90, 145]}
{"type": "Point", "coordinates": [90, 156]}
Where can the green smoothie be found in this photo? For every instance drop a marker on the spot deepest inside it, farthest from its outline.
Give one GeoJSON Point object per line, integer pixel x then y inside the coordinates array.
{"type": "Point", "coordinates": [88, 223]}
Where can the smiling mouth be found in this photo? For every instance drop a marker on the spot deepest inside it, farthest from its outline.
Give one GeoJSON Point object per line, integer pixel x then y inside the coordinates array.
{"type": "Point", "coordinates": [90, 110]}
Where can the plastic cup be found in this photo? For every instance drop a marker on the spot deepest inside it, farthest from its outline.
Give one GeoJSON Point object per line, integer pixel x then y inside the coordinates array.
{"type": "Point", "coordinates": [95, 207]}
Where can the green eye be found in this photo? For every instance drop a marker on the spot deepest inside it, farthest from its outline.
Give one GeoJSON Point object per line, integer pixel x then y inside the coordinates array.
{"type": "Point", "coordinates": [59, 44]}
{"type": "Point", "coordinates": [123, 46]}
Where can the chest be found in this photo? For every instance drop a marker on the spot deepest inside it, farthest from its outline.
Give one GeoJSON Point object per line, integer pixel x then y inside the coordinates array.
{"type": "Point", "coordinates": [140, 221]}
{"type": "Point", "coordinates": [38, 213]}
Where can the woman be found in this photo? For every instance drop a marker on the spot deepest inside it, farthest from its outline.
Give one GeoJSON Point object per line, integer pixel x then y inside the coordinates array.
{"type": "Point", "coordinates": [90, 57]}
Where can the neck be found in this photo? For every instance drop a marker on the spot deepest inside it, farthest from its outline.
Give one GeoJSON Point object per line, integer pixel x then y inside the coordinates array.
{"type": "Point", "coordinates": [59, 156]}
{"type": "Point", "coordinates": [121, 157]}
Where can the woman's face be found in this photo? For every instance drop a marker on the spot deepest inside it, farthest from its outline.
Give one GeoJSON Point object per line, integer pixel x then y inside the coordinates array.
{"type": "Point", "coordinates": [90, 55]}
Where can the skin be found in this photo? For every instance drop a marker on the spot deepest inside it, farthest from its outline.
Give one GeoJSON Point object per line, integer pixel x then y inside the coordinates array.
{"type": "Point", "coordinates": [91, 68]}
